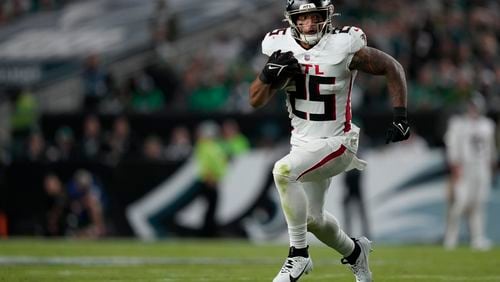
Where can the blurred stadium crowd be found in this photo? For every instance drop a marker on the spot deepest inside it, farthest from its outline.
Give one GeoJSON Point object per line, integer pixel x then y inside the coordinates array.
{"type": "Point", "coordinates": [449, 48]}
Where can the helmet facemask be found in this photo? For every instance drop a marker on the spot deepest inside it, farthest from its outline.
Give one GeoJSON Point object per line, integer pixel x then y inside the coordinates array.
{"type": "Point", "coordinates": [322, 27]}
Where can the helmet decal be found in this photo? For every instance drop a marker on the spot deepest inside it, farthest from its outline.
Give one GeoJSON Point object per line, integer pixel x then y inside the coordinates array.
{"type": "Point", "coordinates": [307, 6]}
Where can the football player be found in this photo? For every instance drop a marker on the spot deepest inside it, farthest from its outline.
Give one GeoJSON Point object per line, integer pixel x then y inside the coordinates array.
{"type": "Point", "coordinates": [471, 154]}
{"type": "Point", "coordinates": [316, 64]}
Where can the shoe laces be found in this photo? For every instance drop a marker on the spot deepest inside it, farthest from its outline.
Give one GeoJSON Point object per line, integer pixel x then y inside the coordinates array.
{"type": "Point", "coordinates": [356, 268]}
{"type": "Point", "coordinates": [287, 267]}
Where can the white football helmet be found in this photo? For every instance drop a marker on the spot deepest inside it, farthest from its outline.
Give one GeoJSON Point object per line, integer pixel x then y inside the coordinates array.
{"type": "Point", "coordinates": [296, 7]}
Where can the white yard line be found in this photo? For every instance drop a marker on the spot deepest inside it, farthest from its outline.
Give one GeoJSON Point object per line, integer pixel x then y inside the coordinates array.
{"type": "Point", "coordinates": [42, 260]}
{"type": "Point", "coordinates": [20, 260]}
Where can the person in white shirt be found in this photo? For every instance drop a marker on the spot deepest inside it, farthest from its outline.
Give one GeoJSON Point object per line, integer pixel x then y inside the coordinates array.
{"type": "Point", "coordinates": [471, 154]}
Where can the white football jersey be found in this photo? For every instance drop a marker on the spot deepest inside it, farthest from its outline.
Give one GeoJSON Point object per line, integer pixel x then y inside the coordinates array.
{"type": "Point", "coordinates": [471, 140]}
{"type": "Point", "coordinates": [319, 100]}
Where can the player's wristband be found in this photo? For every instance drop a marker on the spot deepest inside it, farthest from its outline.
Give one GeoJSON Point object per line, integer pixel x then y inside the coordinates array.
{"type": "Point", "coordinates": [400, 113]}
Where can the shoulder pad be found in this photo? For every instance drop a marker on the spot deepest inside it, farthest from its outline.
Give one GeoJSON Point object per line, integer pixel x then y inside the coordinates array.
{"type": "Point", "coordinates": [274, 40]}
{"type": "Point", "coordinates": [357, 37]}
{"type": "Point", "coordinates": [278, 31]}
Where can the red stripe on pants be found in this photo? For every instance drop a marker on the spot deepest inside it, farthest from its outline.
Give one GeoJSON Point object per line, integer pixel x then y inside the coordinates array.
{"type": "Point", "coordinates": [326, 159]}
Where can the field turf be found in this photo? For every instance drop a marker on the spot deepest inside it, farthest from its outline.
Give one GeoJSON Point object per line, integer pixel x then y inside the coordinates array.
{"type": "Point", "coordinates": [190, 260]}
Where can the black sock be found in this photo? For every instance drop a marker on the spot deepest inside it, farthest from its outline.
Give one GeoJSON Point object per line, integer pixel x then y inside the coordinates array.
{"type": "Point", "coordinates": [355, 253]}
{"type": "Point", "coordinates": [294, 252]}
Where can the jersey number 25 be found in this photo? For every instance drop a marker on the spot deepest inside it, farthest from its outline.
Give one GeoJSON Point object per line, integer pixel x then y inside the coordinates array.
{"type": "Point", "coordinates": [301, 92]}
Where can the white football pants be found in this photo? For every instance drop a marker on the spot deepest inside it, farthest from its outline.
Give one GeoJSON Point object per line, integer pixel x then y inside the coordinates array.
{"type": "Point", "coordinates": [470, 196]}
{"type": "Point", "coordinates": [303, 177]}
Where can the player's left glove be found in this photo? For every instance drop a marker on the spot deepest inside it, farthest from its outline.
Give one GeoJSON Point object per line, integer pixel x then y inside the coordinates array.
{"type": "Point", "coordinates": [399, 129]}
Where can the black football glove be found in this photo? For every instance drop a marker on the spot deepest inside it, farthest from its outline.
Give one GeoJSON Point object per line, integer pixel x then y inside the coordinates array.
{"type": "Point", "coordinates": [399, 129]}
{"type": "Point", "coordinates": [279, 67]}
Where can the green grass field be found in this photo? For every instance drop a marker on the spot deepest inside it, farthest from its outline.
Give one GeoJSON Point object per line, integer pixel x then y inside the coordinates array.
{"type": "Point", "coordinates": [123, 260]}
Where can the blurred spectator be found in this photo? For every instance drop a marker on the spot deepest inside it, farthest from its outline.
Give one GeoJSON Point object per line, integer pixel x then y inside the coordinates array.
{"type": "Point", "coordinates": [86, 212]}
{"type": "Point", "coordinates": [92, 142]}
{"type": "Point", "coordinates": [145, 96]}
{"type": "Point", "coordinates": [164, 24]}
{"type": "Point", "coordinates": [211, 162]}
{"type": "Point", "coordinates": [65, 147]}
{"type": "Point", "coordinates": [165, 79]}
{"type": "Point", "coordinates": [116, 100]}
{"type": "Point", "coordinates": [160, 66]}
{"type": "Point", "coordinates": [35, 150]}
{"type": "Point", "coordinates": [423, 40]}
{"type": "Point", "coordinates": [423, 92]}
{"type": "Point", "coordinates": [206, 84]}
{"type": "Point", "coordinates": [152, 149]}
{"type": "Point", "coordinates": [97, 82]}
{"type": "Point", "coordinates": [119, 142]}
{"type": "Point", "coordinates": [208, 98]}
{"type": "Point", "coordinates": [55, 206]}
{"type": "Point", "coordinates": [193, 73]}
{"type": "Point", "coordinates": [234, 142]}
{"type": "Point", "coordinates": [24, 116]}
{"type": "Point", "coordinates": [471, 152]}
{"type": "Point", "coordinates": [180, 144]}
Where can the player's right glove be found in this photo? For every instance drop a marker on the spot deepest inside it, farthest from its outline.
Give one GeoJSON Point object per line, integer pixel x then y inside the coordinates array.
{"type": "Point", "coordinates": [279, 68]}
{"type": "Point", "coordinates": [399, 129]}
